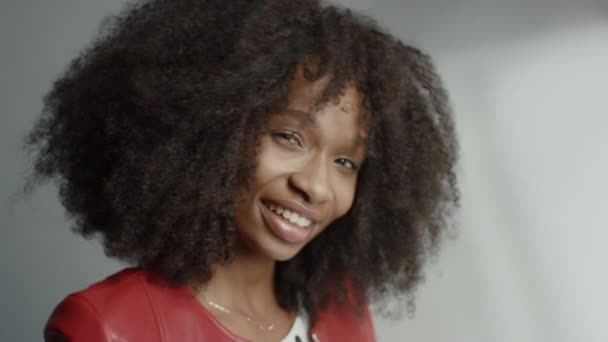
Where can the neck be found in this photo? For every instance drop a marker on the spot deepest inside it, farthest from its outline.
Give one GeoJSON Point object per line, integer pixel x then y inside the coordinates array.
{"type": "Point", "coordinates": [246, 284]}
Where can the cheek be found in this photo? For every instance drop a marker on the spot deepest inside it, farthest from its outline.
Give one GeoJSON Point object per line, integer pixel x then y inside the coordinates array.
{"type": "Point", "coordinates": [345, 195]}
{"type": "Point", "coordinates": [269, 161]}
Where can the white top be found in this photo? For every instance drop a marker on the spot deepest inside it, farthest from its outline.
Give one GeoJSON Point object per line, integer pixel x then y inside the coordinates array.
{"type": "Point", "coordinates": [299, 329]}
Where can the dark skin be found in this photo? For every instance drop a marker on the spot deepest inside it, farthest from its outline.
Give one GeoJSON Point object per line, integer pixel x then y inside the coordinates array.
{"type": "Point", "coordinates": [151, 135]}
{"type": "Point", "coordinates": [306, 158]}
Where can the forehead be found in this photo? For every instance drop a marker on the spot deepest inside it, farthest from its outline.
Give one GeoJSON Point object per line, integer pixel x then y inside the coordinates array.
{"type": "Point", "coordinates": [304, 94]}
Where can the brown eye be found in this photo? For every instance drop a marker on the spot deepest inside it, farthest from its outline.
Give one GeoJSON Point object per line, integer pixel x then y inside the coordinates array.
{"type": "Point", "coordinates": [288, 137]}
{"type": "Point", "coordinates": [347, 163]}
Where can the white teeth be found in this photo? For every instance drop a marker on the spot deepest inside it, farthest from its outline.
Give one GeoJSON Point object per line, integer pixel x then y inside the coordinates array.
{"type": "Point", "coordinates": [303, 222]}
{"type": "Point", "coordinates": [290, 216]}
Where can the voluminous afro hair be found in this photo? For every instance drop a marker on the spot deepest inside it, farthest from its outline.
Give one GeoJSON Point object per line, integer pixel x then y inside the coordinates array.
{"type": "Point", "coordinates": [153, 128]}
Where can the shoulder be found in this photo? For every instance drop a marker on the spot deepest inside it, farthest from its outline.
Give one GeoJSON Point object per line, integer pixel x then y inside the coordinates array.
{"type": "Point", "coordinates": [119, 303]}
{"type": "Point", "coordinates": [133, 305]}
{"type": "Point", "coordinates": [75, 319]}
{"type": "Point", "coordinates": [104, 293]}
{"type": "Point", "coordinates": [341, 323]}
{"type": "Point", "coordinates": [344, 322]}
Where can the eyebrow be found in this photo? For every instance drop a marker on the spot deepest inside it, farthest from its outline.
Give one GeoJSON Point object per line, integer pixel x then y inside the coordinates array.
{"type": "Point", "coordinates": [300, 115]}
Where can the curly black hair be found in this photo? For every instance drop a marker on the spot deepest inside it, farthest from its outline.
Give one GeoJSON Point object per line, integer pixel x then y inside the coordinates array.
{"type": "Point", "coordinates": [152, 129]}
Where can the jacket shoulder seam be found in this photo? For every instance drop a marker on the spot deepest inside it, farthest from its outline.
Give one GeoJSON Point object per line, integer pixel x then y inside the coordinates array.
{"type": "Point", "coordinates": [160, 327]}
{"type": "Point", "coordinates": [98, 316]}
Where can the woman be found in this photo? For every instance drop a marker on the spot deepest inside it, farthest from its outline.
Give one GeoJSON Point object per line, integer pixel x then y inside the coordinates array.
{"type": "Point", "coordinates": [268, 167]}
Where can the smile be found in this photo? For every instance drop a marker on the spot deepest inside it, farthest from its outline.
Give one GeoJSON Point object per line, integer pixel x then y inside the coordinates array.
{"type": "Point", "coordinates": [289, 216]}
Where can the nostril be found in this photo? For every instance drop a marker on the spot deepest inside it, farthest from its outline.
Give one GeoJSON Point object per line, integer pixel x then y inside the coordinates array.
{"type": "Point", "coordinates": [299, 187]}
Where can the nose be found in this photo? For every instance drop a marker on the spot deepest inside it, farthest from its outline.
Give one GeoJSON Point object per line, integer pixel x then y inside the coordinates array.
{"type": "Point", "coordinates": [312, 180]}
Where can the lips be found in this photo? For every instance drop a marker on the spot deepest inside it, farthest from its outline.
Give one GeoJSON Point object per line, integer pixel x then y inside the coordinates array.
{"type": "Point", "coordinates": [284, 229]}
{"type": "Point", "coordinates": [297, 208]}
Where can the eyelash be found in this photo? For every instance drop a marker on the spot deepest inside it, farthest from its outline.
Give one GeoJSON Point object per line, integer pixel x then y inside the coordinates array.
{"type": "Point", "coordinates": [289, 135]}
{"type": "Point", "coordinates": [353, 165]}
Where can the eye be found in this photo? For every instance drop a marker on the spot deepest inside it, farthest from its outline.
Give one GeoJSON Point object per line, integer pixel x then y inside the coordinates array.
{"type": "Point", "coordinates": [288, 137]}
{"type": "Point", "coordinates": [347, 163]}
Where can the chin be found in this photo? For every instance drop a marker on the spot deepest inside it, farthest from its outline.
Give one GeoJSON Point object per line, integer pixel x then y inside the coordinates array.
{"type": "Point", "coordinates": [278, 250]}
{"type": "Point", "coordinates": [268, 246]}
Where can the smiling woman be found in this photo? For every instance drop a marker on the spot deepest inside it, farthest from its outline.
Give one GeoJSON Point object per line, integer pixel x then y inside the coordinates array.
{"type": "Point", "coordinates": [307, 168]}
{"type": "Point", "coordinates": [268, 167]}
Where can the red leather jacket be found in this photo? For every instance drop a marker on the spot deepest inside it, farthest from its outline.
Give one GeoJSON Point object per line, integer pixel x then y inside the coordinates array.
{"type": "Point", "coordinates": [131, 306]}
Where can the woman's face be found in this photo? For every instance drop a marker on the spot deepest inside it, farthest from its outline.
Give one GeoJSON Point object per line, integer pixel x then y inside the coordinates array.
{"type": "Point", "coordinates": [306, 173]}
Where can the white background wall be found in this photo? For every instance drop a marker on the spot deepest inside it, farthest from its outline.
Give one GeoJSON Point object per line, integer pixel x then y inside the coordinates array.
{"type": "Point", "coordinates": [529, 86]}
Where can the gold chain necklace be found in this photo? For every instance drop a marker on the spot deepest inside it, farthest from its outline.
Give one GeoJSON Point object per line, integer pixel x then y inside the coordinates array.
{"type": "Point", "coordinates": [261, 326]}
